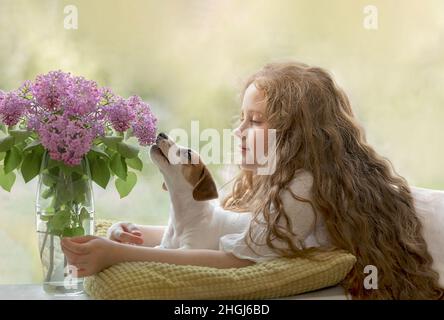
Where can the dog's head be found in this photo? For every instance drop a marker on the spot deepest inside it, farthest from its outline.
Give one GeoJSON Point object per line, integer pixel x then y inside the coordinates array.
{"type": "Point", "coordinates": [183, 170]}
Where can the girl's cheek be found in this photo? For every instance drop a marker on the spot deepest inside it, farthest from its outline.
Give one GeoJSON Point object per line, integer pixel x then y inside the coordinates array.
{"type": "Point", "coordinates": [250, 139]}
{"type": "Point", "coordinates": [260, 139]}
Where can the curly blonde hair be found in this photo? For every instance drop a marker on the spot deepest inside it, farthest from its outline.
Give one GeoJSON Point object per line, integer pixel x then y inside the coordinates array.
{"type": "Point", "coordinates": [367, 207]}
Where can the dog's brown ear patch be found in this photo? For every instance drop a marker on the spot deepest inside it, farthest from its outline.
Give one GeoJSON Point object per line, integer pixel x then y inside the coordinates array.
{"type": "Point", "coordinates": [205, 189]}
{"type": "Point", "coordinates": [164, 186]}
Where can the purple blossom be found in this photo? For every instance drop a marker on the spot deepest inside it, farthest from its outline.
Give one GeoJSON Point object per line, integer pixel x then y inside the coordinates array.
{"type": "Point", "coordinates": [144, 125]}
{"type": "Point", "coordinates": [107, 96]}
{"type": "Point", "coordinates": [83, 97]}
{"type": "Point", "coordinates": [66, 140]}
{"type": "Point", "coordinates": [51, 90]}
{"type": "Point", "coordinates": [69, 112]}
{"type": "Point", "coordinates": [121, 115]}
{"type": "Point", "coordinates": [12, 108]}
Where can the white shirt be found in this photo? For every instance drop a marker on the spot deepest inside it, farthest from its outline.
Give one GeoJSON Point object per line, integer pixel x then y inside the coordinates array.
{"type": "Point", "coordinates": [302, 219]}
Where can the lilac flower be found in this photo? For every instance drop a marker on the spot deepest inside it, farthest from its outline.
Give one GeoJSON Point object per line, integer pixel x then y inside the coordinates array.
{"type": "Point", "coordinates": [120, 114]}
{"type": "Point", "coordinates": [51, 90]}
{"type": "Point", "coordinates": [83, 97]}
{"type": "Point", "coordinates": [144, 125]}
{"type": "Point", "coordinates": [66, 140]}
{"type": "Point", "coordinates": [69, 112]}
{"type": "Point", "coordinates": [12, 108]}
{"type": "Point", "coordinates": [107, 96]}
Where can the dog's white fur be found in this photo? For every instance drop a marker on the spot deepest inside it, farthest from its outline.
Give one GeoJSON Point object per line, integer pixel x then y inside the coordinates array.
{"type": "Point", "coordinates": [196, 221]}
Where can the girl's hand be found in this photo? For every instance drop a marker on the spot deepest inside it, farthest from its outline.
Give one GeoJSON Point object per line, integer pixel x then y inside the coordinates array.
{"type": "Point", "coordinates": [125, 232]}
{"type": "Point", "coordinates": [89, 254]}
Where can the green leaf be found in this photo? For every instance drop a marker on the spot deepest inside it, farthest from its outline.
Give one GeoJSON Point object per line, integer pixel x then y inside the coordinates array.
{"type": "Point", "coordinates": [50, 211]}
{"type": "Point", "coordinates": [34, 144]}
{"type": "Point", "coordinates": [80, 188]}
{"type": "Point", "coordinates": [77, 169]}
{"type": "Point", "coordinates": [31, 166]}
{"type": "Point", "coordinates": [6, 143]}
{"type": "Point", "coordinates": [48, 179]}
{"type": "Point", "coordinates": [61, 220]}
{"type": "Point", "coordinates": [79, 231]}
{"type": "Point", "coordinates": [52, 163]}
{"type": "Point", "coordinates": [73, 232]}
{"type": "Point", "coordinates": [100, 172]}
{"type": "Point", "coordinates": [19, 135]}
{"type": "Point", "coordinates": [6, 180]}
{"type": "Point", "coordinates": [118, 166]}
{"type": "Point", "coordinates": [135, 163]}
{"type": "Point", "coordinates": [80, 192]}
{"type": "Point", "coordinates": [68, 170]}
{"type": "Point", "coordinates": [84, 215]}
{"type": "Point", "coordinates": [127, 151]}
{"type": "Point", "coordinates": [110, 152]}
{"type": "Point", "coordinates": [2, 156]}
{"type": "Point", "coordinates": [99, 152]}
{"type": "Point", "coordinates": [125, 187]}
{"type": "Point", "coordinates": [63, 194]}
{"type": "Point", "coordinates": [111, 141]}
{"type": "Point", "coordinates": [20, 146]}
{"type": "Point", "coordinates": [45, 217]}
{"type": "Point", "coordinates": [129, 134]}
{"type": "Point", "coordinates": [3, 128]}
{"type": "Point", "coordinates": [12, 160]}
{"type": "Point", "coordinates": [47, 193]}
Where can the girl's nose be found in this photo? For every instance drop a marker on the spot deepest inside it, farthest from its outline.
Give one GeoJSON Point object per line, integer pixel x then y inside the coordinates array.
{"type": "Point", "coordinates": [239, 131]}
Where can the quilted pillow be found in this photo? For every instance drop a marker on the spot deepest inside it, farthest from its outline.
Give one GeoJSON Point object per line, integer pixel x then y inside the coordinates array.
{"type": "Point", "coordinates": [271, 279]}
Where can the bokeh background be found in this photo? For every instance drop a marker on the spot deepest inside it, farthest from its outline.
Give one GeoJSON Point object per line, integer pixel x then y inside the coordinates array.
{"type": "Point", "coordinates": [188, 60]}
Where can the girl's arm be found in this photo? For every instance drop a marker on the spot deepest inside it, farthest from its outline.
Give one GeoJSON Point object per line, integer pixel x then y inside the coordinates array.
{"type": "Point", "coordinates": [197, 257]}
{"type": "Point", "coordinates": [92, 254]}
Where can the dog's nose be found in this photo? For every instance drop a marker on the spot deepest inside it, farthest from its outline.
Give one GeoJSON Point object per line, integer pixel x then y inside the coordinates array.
{"type": "Point", "coordinates": [161, 136]}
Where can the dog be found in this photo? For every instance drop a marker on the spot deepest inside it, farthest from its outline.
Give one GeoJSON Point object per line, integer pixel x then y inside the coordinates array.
{"type": "Point", "coordinates": [195, 221]}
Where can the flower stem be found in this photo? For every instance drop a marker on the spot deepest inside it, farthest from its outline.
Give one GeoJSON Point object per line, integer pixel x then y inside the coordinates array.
{"type": "Point", "coordinates": [43, 244]}
{"type": "Point", "coordinates": [51, 260]}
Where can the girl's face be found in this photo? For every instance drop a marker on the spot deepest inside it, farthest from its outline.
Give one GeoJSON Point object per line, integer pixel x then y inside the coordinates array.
{"type": "Point", "coordinates": [253, 128]}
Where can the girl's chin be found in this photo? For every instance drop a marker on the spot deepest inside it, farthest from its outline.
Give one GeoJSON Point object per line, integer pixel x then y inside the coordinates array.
{"type": "Point", "coordinates": [249, 167]}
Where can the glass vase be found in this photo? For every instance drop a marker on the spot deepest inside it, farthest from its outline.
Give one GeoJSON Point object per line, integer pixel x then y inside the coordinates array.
{"type": "Point", "coordinates": [64, 208]}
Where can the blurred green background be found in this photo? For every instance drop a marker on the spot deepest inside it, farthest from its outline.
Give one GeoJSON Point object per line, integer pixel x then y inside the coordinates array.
{"type": "Point", "coordinates": [188, 59]}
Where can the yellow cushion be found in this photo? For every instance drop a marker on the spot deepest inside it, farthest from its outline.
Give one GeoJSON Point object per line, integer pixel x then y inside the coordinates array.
{"type": "Point", "coordinates": [272, 279]}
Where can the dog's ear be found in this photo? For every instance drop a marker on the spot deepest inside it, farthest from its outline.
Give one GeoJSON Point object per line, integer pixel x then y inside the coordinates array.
{"type": "Point", "coordinates": [205, 188]}
{"type": "Point", "coordinates": [164, 186]}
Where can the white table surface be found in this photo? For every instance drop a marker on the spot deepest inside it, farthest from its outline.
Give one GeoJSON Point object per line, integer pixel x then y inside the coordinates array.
{"type": "Point", "coordinates": [35, 292]}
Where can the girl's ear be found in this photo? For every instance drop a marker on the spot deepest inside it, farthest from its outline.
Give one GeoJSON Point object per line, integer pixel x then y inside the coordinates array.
{"type": "Point", "coordinates": [205, 188]}
{"type": "Point", "coordinates": [164, 186]}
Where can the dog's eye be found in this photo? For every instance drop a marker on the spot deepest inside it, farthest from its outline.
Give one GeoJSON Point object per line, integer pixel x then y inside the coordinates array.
{"type": "Point", "coordinates": [189, 154]}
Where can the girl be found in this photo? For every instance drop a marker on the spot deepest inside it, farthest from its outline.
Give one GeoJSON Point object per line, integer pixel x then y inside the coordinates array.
{"type": "Point", "coordinates": [330, 190]}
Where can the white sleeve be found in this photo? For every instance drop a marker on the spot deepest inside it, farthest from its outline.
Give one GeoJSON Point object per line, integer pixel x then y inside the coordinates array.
{"type": "Point", "coordinates": [300, 214]}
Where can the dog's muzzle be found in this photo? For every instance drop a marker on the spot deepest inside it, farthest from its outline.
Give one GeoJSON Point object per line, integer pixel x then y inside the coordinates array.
{"type": "Point", "coordinates": [161, 136]}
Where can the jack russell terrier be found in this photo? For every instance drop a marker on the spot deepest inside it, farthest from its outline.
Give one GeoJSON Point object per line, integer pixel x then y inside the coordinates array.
{"type": "Point", "coordinates": [195, 222]}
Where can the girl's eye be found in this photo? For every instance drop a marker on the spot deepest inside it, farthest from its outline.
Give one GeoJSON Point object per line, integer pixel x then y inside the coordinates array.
{"type": "Point", "coordinates": [255, 122]}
